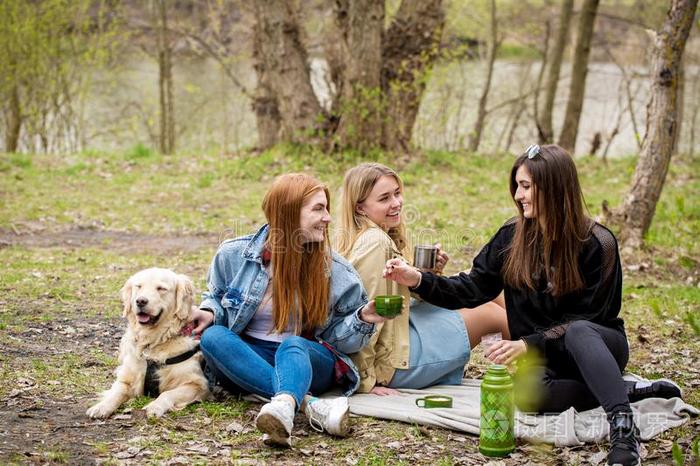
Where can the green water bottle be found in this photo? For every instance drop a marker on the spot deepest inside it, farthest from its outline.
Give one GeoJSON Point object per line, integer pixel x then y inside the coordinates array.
{"type": "Point", "coordinates": [496, 437]}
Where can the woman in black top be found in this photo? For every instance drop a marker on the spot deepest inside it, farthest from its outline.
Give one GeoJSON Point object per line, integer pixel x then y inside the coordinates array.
{"type": "Point", "coordinates": [562, 279]}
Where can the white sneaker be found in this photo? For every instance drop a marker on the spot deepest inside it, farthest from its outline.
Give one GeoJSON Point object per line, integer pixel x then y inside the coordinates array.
{"type": "Point", "coordinates": [275, 420]}
{"type": "Point", "coordinates": [331, 416]}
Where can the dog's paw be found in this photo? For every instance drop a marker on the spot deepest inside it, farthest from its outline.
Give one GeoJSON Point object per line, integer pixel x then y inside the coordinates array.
{"type": "Point", "coordinates": [99, 411]}
{"type": "Point", "coordinates": [154, 409]}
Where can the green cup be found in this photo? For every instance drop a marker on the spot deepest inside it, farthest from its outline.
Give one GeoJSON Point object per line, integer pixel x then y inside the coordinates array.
{"type": "Point", "coordinates": [389, 305]}
{"type": "Point", "coordinates": [434, 401]}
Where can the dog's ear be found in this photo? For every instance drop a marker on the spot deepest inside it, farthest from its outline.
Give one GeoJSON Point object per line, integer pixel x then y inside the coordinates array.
{"type": "Point", "coordinates": [184, 296]}
{"type": "Point", "coordinates": [126, 297]}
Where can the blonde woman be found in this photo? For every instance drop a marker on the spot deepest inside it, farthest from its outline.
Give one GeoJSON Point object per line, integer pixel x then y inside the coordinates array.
{"type": "Point", "coordinates": [286, 312]}
{"type": "Point", "coordinates": [425, 345]}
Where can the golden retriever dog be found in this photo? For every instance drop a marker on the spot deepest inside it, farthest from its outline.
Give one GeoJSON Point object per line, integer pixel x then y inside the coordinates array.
{"type": "Point", "coordinates": [156, 355]}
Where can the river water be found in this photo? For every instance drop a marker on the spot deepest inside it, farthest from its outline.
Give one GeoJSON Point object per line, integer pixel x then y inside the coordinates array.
{"type": "Point", "coordinates": [212, 114]}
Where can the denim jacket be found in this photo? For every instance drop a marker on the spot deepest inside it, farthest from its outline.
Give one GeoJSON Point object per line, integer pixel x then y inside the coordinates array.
{"type": "Point", "coordinates": [237, 281]}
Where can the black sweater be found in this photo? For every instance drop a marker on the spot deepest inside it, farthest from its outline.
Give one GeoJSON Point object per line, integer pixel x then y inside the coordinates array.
{"type": "Point", "coordinates": [535, 315]}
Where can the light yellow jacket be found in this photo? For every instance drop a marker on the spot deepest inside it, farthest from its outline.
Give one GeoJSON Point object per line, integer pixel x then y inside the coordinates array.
{"type": "Point", "coordinates": [388, 349]}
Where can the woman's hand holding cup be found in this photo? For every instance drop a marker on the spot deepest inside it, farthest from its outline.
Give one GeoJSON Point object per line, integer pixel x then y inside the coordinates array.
{"type": "Point", "coordinates": [402, 273]}
{"type": "Point", "coordinates": [369, 314]}
{"type": "Point", "coordinates": [430, 258]}
{"type": "Point", "coordinates": [441, 259]}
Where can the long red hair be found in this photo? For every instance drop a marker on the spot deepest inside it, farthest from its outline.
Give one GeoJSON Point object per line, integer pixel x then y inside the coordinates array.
{"type": "Point", "coordinates": [300, 271]}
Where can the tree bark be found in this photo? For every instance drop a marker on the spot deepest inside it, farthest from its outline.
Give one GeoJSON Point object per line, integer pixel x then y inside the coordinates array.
{"type": "Point", "coordinates": [662, 126]}
{"type": "Point", "coordinates": [693, 120]}
{"type": "Point", "coordinates": [361, 102]}
{"type": "Point", "coordinates": [574, 106]}
{"type": "Point", "coordinates": [545, 121]}
{"type": "Point", "coordinates": [265, 106]}
{"type": "Point", "coordinates": [165, 83]}
{"type": "Point", "coordinates": [540, 77]}
{"type": "Point", "coordinates": [13, 121]}
{"type": "Point", "coordinates": [411, 46]}
{"type": "Point", "coordinates": [475, 136]}
{"type": "Point", "coordinates": [680, 90]}
{"type": "Point", "coordinates": [286, 64]}
{"type": "Point", "coordinates": [336, 52]}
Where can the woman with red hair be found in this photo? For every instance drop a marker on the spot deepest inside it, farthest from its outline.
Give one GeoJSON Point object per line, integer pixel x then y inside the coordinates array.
{"type": "Point", "coordinates": [286, 312]}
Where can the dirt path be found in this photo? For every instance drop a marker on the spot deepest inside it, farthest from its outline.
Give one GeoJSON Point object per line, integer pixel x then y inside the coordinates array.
{"type": "Point", "coordinates": [124, 242]}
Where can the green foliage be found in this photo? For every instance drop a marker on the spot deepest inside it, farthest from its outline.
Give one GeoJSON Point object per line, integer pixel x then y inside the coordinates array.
{"type": "Point", "coordinates": [511, 50]}
{"type": "Point", "coordinates": [57, 456]}
{"type": "Point", "coordinates": [678, 457]}
{"type": "Point", "coordinates": [656, 308]}
{"type": "Point", "coordinates": [687, 262]}
{"type": "Point", "coordinates": [21, 160]}
{"type": "Point", "coordinates": [205, 180]}
{"type": "Point", "coordinates": [45, 46]}
{"type": "Point", "coordinates": [445, 461]}
{"type": "Point", "coordinates": [691, 318]}
{"type": "Point", "coordinates": [139, 151]}
{"type": "Point", "coordinates": [438, 158]}
{"type": "Point", "coordinates": [139, 402]}
{"type": "Point", "coordinates": [680, 204]}
{"type": "Point", "coordinates": [229, 410]}
{"type": "Point", "coordinates": [374, 456]}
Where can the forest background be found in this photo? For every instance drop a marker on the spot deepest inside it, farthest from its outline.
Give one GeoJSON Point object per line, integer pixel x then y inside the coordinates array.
{"type": "Point", "coordinates": [141, 133]}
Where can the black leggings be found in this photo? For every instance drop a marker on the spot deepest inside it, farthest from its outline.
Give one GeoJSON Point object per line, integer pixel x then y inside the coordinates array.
{"type": "Point", "coordinates": [584, 370]}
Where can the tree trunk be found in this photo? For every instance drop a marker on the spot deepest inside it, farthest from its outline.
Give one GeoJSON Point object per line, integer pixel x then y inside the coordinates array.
{"type": "Point", "coordinates": [285, 60]}
{"type": "Point", "coordinates": [13, 121]}
{"type": "Point", "coordinates": [265, 106]}
{"type": "Point", "coordinates": [662, 124]}
{"type": "Point", "coordinates": [680, 90]}
{"type": "Point", "coordinates": [475, 136]}
{"type": "Point", "coordinates": [540, 77]}
{"type": "Point", "coordinates": [361, 102]}
{"type": "Point", "coordinates": [545, 121]}
{"type": "Point", "coordinates": [409, 50]}
{"type": "Point", "coordinates": [165, 82]}
{"type": "Point", "coordinates": [567, 138]}
{"type": "Point", "coordinates": [693, 121]}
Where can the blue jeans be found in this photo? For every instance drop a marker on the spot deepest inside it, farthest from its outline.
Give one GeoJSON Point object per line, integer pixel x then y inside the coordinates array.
{"type": "Point", "coordinates": [243, 364]}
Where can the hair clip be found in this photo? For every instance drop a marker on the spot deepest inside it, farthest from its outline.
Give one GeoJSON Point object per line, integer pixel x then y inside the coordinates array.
{"type": "Point", "coordinates": [532, 151]}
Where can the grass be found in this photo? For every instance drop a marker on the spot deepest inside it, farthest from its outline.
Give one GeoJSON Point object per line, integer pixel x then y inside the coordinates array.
{"type": "Point", "coordinates": [60, 310]}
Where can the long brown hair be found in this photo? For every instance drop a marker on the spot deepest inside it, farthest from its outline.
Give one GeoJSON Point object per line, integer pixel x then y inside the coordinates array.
{"type": "Point", "coordinates": [549, 244]}
{"type": "Point", "coordinates": [300, 271]}
{"type": "Point", "coordinates": [357, 185]}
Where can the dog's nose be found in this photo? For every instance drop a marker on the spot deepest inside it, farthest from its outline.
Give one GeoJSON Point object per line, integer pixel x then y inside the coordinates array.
{"type": "Point", "coordinates": [141, 302]}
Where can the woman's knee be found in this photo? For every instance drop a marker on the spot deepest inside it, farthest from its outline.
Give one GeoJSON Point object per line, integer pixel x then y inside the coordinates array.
{"type": "Point", "coordinates": [212, 338]}
{"type": "Point", "coordinates": [294, 342]}
{"type": "Point", "coordinates": [579, 333]}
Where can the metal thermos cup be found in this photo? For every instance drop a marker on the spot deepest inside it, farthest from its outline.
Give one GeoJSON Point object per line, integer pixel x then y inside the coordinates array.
{"type": "Point", "coordinates": [425, 256]}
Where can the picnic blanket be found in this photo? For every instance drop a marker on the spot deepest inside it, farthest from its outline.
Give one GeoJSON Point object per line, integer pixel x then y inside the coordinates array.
{"type": "Point", "coordinates": [570, 428]}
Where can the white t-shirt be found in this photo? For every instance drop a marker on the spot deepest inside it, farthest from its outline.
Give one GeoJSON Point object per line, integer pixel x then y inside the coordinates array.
{"type": "Point", "coordinates": [261, 326]}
